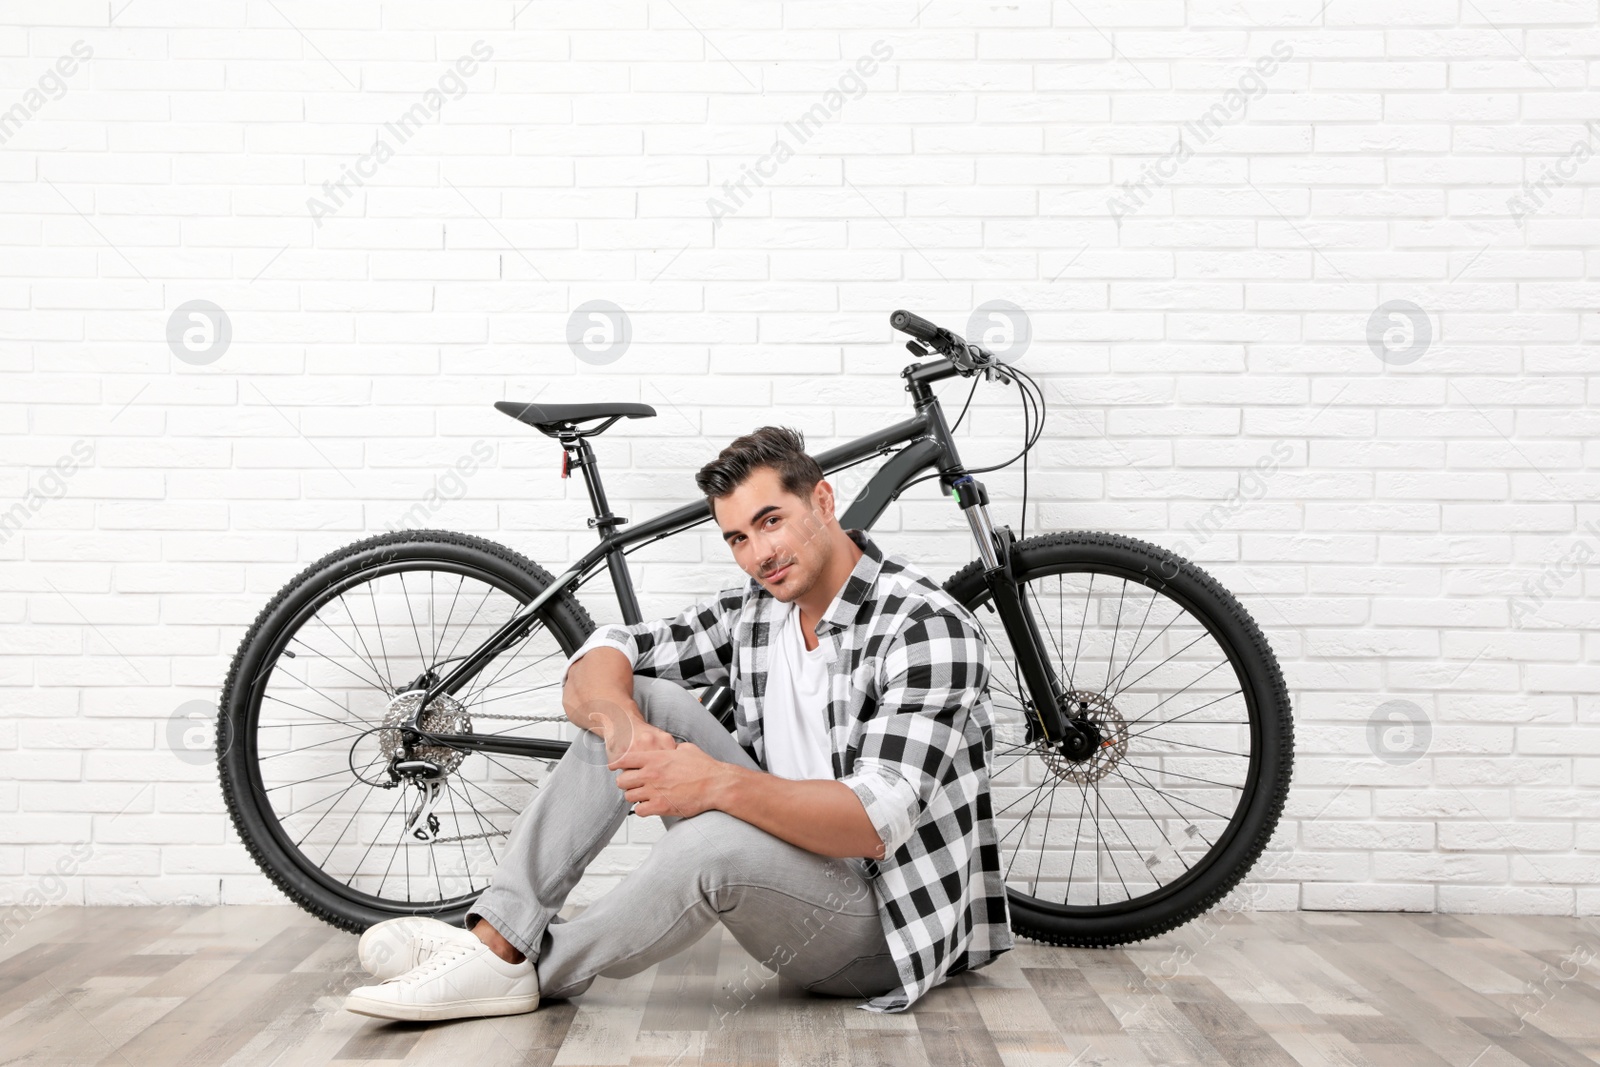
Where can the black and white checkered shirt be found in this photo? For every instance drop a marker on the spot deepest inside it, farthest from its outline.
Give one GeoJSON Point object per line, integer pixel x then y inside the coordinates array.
{"type": "Point", "coordinates": [912, 734]}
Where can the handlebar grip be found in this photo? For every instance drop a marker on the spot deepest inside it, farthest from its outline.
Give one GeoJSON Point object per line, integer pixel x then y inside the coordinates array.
{"type": "Point", "coordinates": [915, 325]}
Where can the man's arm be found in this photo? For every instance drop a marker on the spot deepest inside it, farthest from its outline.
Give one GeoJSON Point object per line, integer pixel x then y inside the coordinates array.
{"type": "Point", "coordinates": [820, 816]}
{"type": "Point", "coordinates": [598, 694]}
{"type": "Point", "coordinates": [932, 676]}
{"type": "Point", "coordinates": [692, 648]}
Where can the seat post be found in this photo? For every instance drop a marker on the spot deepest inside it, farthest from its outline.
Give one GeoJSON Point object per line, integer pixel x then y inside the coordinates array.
{"type": "Point", "coordinates": [580, 455]}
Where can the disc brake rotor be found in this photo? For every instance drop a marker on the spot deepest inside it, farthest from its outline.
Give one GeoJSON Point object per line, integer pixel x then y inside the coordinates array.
{"type": "Point", "coordinates": [444, 715]}
{"type": "Point", "coordinates": [1113, 744]}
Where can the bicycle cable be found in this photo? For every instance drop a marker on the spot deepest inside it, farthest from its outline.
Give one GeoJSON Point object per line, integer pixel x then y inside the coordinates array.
{"type": "Point", "coordinates": [970, 394]}
{"type": "Point", "coordinates": [1031, 431]}
{"type": "Point", "coordinates": [1038, 430]}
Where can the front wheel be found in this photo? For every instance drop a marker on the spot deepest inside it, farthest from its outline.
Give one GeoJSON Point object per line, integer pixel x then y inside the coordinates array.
{"type": "Point", "coordinates": [1195, 740]}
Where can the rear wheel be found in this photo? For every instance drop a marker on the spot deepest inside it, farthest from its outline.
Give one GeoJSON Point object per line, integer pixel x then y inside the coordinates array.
{"type": "Point", "coordinates": [307, 726]}
{"type": "Point", "coordinates": [1195, 745]}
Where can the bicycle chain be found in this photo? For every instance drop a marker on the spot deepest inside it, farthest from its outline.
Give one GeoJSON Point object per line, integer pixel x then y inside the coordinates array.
{"type": "Point", "coordinates": [519, 718]}
{"type": "Point", "coordinates": [469, 837]}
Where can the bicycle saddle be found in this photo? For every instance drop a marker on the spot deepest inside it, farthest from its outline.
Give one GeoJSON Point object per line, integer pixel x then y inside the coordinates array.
{"type": "Point", "coordinates": [553, 419]}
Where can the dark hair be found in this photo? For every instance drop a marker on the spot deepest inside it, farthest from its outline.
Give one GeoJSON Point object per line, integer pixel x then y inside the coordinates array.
{"type": "Point", "coordinates": [778, 447]}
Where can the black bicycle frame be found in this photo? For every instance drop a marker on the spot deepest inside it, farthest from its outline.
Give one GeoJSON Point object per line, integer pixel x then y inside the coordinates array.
{"type": "Point", "coordinates": [927, 444]}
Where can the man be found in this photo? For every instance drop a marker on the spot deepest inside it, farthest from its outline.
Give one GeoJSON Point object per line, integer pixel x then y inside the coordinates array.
{"type": "Point", "coordinates": [843, 833]}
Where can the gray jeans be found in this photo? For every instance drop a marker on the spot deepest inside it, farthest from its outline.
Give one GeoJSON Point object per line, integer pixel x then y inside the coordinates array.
{"type": "Point", "coordinates": [812, 918]}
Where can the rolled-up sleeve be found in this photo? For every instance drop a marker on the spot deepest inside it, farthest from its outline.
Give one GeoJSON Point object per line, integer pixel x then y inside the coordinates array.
{"type": "Point", "coordinates": [605, 637]}
{"type": "Point", "coordinates": [931, 677]}
{"type": "Point", "coordinates": [694, 647]}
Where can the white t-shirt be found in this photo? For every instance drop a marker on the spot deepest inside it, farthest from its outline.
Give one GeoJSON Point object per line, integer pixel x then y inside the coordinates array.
{"type": "Point", "coordinates": [794, 726]}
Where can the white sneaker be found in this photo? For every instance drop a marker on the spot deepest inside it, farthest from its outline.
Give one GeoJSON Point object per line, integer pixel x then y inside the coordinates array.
{"type": "Point", "coordinates": [456, 981]}
{"type": "Point", "coordinates": [394, 946]}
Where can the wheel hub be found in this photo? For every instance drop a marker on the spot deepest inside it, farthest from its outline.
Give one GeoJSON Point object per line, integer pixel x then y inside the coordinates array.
{"type": "Point", "coordinates": [1101, 721]}
{"type": "Point", "coordinates": [444, 715]}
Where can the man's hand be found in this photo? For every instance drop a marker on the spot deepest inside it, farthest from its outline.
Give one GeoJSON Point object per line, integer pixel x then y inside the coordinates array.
{"type": "Point", "coordinates": [682, 781]}
{"type": "Point", "coordinates": [633, 734]}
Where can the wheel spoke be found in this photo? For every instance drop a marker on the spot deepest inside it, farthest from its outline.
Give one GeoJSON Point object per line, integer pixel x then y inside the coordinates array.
{"type": "Point", "coordinates": [321, 622]}
{"type": "Point", "coordinates": [318, 714]}
{"type": "Point", "coordinates": [405, 592]}
{"type": "Point", "coordinates": [1168, 660]}
{"type": "Point", "coordinates": [509, 657]}
{"type": "Point", "coordinates": [1072, 672]}
{"type": "Point", "coordinates": [1177, 718]}
{"type": "Point", "coordinates": [321, 655]}
{"type": "Point", "coordinates": [1022, 822]}
{"type": "Point", "coordinates": [1135, 642]}
{"type": "Point", "coordinates": [374, 841]}
{"type": "Point", "coordinates": [466, 864]}
{"type": "Point", "coordinates": [468, 627]}
{"type": "Point", "coordinates": [1111, 660]}
{"type": "Point", "coordinates": [475, 701]}
{"type": "Point", "coordinates": [335, 797]}
{"type": "Point", "coordinates": [388, 683]}
{"type": "Point", "coordinates": [1178, 774]}
{"type": "Point", "coordinates": [388, 672]}
{"type": "Point", "coordinates": [1039, 867]}
{"type": "Point", "coordinates": [1155, 821]}
{"type": "Point", "coordinates": [488, 839]}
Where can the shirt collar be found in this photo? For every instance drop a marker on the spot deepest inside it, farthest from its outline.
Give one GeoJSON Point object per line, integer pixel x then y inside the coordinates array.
{"type": "Point", "coordinates": [857, 588]}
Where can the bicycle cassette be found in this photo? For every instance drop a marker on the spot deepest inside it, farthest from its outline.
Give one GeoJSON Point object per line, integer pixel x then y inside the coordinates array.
{"type": "Point", "coordinates": [444, 715]}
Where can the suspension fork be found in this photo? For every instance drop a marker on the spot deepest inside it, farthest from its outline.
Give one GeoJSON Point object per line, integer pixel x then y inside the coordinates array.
{"type": "Point", "coordinates": [1005, 591]}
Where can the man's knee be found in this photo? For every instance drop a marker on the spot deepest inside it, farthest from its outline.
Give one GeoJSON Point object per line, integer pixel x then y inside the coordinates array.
{"type": "Point", "coordinates": [664, 703]}
{"type": "Point", "coordinates": [709, 849]}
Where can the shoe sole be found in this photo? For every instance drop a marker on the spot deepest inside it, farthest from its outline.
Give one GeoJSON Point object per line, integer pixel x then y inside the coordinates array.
{"type": "Point", "coordinates": [427, 1013]}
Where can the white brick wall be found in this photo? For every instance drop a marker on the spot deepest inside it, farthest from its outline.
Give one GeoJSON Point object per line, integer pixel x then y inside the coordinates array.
{"type": "Point", "coordinates": [1186, 327]}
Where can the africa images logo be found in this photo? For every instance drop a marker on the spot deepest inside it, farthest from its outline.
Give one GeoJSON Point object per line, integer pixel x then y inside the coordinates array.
{"type": "Point", "coordinates": [453, 82]}
{"type": "Point", "coordinates": [801, 129]}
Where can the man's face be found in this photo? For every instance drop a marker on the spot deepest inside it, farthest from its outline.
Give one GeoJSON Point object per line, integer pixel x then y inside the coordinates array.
{"type": "Point", "coordinates": [778, 538]}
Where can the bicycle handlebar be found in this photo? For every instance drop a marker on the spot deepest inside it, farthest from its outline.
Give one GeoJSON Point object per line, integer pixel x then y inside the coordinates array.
{"type": "Point", "coordinates": [916, 326]}
{"type": "Point", "coordinates": [967, 357]}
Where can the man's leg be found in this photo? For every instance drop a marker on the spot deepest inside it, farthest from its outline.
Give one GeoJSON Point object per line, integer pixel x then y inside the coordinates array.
{"type": "Point", "coordinates": [575, 814]}
{"type": "Point", "coordinates": [809, 916]}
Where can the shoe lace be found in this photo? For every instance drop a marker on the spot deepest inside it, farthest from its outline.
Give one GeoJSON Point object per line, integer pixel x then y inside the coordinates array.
{"type": "Point", "coordinates": [442, 953]}
{"type": "Point", "coordinates": [426, 945]}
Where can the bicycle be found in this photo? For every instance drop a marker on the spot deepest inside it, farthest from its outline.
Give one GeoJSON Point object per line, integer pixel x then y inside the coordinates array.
{"type": "Point", "coordinates": [334, 699]}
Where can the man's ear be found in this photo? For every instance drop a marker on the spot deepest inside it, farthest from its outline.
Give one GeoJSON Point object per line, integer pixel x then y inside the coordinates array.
{"type": "Point", "coordinates": [822, 500]}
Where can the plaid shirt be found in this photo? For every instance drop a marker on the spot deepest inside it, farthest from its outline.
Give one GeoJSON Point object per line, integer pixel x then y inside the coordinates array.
{"type": "Point", "coordinates": [912, 735]}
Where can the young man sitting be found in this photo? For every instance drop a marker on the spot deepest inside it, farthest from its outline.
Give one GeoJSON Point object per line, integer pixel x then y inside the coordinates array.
{"type": "Point", "coordinates": [842, 833]}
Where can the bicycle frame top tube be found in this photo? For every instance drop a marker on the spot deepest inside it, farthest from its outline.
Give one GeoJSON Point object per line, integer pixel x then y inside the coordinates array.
{"type": "Point", "coordinates": [928, 443]}
{"type": "Point", "coordinates": [927, 429]}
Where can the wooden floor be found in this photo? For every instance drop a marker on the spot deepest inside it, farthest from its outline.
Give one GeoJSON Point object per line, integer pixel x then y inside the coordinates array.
{"type": "Point", "coordinates": [264, 985]}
